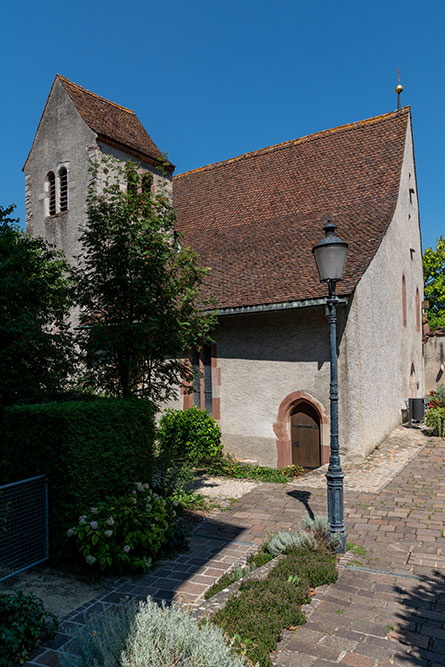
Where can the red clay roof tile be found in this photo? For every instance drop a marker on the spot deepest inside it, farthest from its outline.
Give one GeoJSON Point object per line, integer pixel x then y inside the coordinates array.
{"type": "Point", "coordinates": [112, 121]}
{"type": "Point", "coordinates": [254, 219]}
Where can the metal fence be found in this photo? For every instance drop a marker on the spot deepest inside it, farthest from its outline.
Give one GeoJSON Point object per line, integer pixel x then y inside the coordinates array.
{"type": "Point", "coordinates": [23, 525]}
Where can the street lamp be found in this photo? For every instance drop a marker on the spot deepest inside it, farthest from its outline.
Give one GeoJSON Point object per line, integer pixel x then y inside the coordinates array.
{"type": "Point", "coordinates": [330, 256]}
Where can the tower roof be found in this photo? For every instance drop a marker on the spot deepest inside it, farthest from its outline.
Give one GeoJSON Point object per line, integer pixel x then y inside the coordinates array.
{"type": "Point", "coordinates": [113, 123]}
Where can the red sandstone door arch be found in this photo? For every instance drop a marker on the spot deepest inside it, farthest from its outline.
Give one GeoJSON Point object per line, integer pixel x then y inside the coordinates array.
{"type": "Point", "coordinates": [305, 436]}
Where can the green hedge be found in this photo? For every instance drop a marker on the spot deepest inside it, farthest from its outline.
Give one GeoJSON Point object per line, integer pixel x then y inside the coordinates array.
{"type": "Point", "coordinates": [88, 450]}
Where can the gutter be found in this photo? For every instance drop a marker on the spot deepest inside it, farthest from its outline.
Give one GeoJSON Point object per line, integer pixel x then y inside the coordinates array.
{"type": "Point", "coordinates": [272, 307]}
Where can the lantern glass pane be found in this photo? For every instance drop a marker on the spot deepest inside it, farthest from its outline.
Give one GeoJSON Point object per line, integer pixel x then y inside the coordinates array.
{"type": "Point", "coordinates": [331, 260]}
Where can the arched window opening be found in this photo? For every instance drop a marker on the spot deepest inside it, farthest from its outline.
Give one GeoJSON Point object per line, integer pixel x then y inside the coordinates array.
{"type": "Point", "coordinates": [63, 189]}
{"type": "Point", "coordinates": [404, 300]}
{"type": "Point", "coordinates": [132, 180]}
{"type": "Point", "coordinates": [418, 318]}
{"type": "Point", "coordinates": [147, 181]}
{"type": "Point", "coordinates": [51, 179]}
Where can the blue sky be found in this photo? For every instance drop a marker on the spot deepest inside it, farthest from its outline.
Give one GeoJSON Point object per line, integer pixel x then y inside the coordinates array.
{"type": "Point", "coordinates": [210, 80]}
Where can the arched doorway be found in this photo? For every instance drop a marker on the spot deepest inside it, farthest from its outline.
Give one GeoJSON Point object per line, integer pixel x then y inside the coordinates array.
{"type": "Point", "coordinates": [305, 436]}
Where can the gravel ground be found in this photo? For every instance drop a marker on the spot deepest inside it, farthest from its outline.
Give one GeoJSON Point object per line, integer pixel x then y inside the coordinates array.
{"type": "Point", "coordinates": [61, 593]}
{"type": "Point", "coordinates": [222, 488]}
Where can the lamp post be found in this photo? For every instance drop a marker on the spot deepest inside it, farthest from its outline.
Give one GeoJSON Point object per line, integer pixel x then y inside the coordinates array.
{"type": "Point", "coordinates": [330, 256]}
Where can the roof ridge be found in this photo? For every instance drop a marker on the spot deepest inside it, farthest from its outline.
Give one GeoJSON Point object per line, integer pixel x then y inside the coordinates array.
{"type": "Point", "coordinates": [85, 90]}
{"type": "Point", "coordinates": [284, 144]}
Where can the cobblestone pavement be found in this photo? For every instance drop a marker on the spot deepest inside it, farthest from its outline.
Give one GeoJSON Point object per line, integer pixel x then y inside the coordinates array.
{"type": "Point", "coordinates": [379, 612]}
{"type": "Point", "coordinates": [379, 467]}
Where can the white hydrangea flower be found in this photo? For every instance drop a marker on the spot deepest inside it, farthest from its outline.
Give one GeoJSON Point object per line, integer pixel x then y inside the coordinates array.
{"type": "Point", "coordinates": [94, 525]}
{"type": "Point", "coordinates": [145, 486]}
{"type": "Point", "coordinates": [83, 518]}
{"type": "Point", "coordinates": [70, 532]}
{"type": "Point", "coordinates": [134, 499]}
{"type": "Point", "coordinates": [126, 548]}
{"type": "Point", "coordinates": [139, 486]}
{"type": "Point", "coordinates": [94, 510]}
{"type": "Point", "coordinates": [134, 492]}
{"type": "Point", "coordinates": [90, 560]}
{"type": "Point", "coordinates": [108, 533]}
{"type": "Point", "coordinates": [110, 521]}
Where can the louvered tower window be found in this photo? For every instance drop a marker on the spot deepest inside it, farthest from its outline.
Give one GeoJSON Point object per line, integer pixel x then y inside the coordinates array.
{"type": "Point", "coordinates": [147, 180]}
{"type": "Point", "coordinates": [51, 192]}
{"type": "Point", "coordinates": [63, 183]}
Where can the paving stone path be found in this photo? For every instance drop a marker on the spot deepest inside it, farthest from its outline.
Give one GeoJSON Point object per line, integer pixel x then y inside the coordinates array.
{"type": "Point", "coordinates": [379, 612]}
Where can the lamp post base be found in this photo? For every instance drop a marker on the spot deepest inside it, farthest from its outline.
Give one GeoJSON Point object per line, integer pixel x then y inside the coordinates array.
{"type": "Point", "coordinates": [335, 509]}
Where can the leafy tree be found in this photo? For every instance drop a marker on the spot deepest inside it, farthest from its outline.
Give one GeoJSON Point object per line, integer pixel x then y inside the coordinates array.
{"type": "Point", "coordinates": [36, 351]}
{"type": "Point", "coordinates": [140, 293]}
{"type": "Point", "coordinates": [434, 274]}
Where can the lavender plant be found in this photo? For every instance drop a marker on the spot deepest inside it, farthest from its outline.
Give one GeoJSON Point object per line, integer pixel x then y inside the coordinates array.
{"type": "Point", "coordinates": [147, 635]}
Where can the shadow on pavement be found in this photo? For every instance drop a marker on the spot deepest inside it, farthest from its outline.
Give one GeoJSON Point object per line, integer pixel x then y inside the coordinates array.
{"type": "Point", "coordinates": [302, 497]}
{"type": "Point", "coordinates": [421, 621]}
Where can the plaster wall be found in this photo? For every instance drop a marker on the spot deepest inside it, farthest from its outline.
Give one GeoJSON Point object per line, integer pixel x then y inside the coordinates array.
{"type": "Point", "coordinates": [62, 139]}
{"type": "Point", "coordinates": [262, 359]}
{"type": "Point", "coordinates": [162, 181]}
{"type": "Point", "coordinates": [381, 359]}
{"type": "Point", "coordinates": [434, 357]}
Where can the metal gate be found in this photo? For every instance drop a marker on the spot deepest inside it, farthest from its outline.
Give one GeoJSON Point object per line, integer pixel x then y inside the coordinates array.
{"type": "Point", "coordinates": [23, 525]}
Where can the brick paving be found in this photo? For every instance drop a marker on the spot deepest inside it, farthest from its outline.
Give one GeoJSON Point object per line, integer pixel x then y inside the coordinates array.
{"type": "Point", "coordinates": [379, 612]}
{"type": "Point", "coordinates": [379, 467]}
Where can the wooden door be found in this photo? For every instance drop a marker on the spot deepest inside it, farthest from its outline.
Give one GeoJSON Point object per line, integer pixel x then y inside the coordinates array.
{"type": "Point", "coordinates": [305, 437]}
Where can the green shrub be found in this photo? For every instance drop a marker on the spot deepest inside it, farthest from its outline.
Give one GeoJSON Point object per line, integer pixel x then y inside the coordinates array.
{"type": "Point", "coordinates": [88, 449]}
{"type": "Point", "coordinates": [226, 466]}
{"type": "Point", "coordinates": [313, 567]}
{"type": "Point", "coordinates": [227, 579]}
{"type": "Point", "coordinates": [146, 635]}
{"type": "Point", "coordinates": [437, 397]}
{"type": "Point", "coordinates": [435, 420]}
{"type": "Point", "coordinates": [23, 624]}
{"type": "Point", "coordinates": [256, 615]}
{"type": "Point", "coordinates": [124, 533]}
{"type": "Point", "coordinates": [189, 435]}
{"type": "Point", "coordinates": [315, 537]}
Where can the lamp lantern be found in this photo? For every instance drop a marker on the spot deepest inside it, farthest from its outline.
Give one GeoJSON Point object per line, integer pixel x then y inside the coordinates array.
{"type": "Point", "coordinates": [330, 255]}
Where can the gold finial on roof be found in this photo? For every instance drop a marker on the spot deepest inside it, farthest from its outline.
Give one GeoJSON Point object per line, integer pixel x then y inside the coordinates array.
{"type": "Point", "coordinates": [399, 88]}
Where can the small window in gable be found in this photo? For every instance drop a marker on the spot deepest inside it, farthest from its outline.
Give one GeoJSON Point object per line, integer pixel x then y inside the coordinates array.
{"type": "Point", "coordinates": [51, 179]}
{"type": "Point", "coordinates": [63, 189]}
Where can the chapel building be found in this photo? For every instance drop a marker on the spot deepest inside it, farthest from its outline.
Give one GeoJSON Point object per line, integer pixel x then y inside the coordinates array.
{"type": "Point", "coordinates": [253, 220]}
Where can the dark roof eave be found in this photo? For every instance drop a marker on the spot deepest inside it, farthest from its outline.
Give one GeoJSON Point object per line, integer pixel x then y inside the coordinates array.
{"type": "Point", "coordinates": [273, 307]}
{"type": "Point", "coordinates": [168, 166]}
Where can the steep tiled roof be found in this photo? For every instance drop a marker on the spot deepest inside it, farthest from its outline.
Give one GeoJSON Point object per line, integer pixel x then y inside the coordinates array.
{"type": "Point", "coordinates": [112, 121]}
{"type": "Point", "coordinates": [254, 219]}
